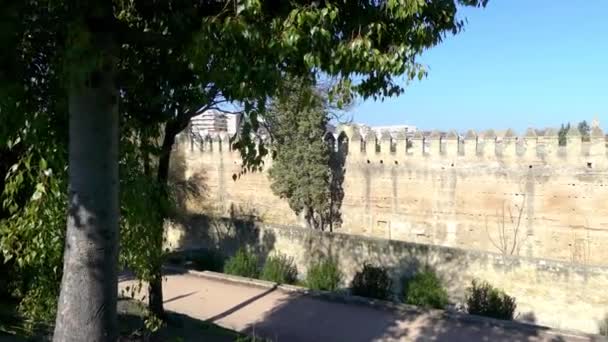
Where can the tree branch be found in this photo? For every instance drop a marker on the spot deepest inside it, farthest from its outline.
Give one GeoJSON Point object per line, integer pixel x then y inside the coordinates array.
{"type": "Point", "coordinates": [126, 34]}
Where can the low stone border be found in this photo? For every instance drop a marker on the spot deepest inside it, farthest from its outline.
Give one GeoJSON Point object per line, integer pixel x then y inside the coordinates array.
{"type": "Point", "coordinates": [382, 304]}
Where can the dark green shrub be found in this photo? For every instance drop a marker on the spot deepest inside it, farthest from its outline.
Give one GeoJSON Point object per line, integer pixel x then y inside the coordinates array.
{"type": "Point", "coordinates": [206, 260]}
{"type": "Point", "coordinates": [324, 275]}
{"type": "Point", "coordinates": [175, 258]}
{"type": "Point", "coordinates": [5, 270]}
{"type": "Point", "coordinates": [425, 289]}
{"type": "Point", "coordinates": [372, 282]}
{"type": "Point", "coordinates": [243, 263]}
{"type": "Point", "coordinates": [280, 269]}
{"type": "Point", "coordinates": [485, 300]}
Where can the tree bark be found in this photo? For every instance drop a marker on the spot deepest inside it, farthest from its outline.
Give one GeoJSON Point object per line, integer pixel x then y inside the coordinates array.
{"type": "Point", "coordinates": [87, 301]}
{"type": "Point", "coordinates": [155, 294]}
{"type": "Point", "coordinates": [155, 290]}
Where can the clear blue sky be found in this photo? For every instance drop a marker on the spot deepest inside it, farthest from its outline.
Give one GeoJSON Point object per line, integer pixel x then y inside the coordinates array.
{"type": "Point", "coordinates": [518, 64]}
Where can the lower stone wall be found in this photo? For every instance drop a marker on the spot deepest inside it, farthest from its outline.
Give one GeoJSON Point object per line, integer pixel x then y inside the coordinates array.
{"type": "Point", "coordinates": [555, 294]}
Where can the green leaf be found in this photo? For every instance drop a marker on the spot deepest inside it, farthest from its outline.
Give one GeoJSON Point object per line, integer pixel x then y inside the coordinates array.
{"type": "Point", "coordinates": [42, 164]}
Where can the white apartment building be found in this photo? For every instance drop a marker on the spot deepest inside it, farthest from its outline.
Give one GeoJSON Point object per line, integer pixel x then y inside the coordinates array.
{"type": "Point", "coordinates": [393, 129]}
{"type": "Point", "coordinates": [233, 123]}
{"type": "Point", "coordinates": [214, 122]}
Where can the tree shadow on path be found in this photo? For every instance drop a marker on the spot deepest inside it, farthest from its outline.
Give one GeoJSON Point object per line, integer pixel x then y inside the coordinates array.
{"type": "Point", "coordinates": [306, 318]}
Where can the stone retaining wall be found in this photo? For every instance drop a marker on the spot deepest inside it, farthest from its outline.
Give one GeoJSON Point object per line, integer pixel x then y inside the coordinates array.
{"type": "Point", "coordinates": [556, 294]}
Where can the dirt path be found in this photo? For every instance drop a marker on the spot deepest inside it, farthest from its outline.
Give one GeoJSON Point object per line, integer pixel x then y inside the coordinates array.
{"type": "Point", "coordinates": [281, 316]}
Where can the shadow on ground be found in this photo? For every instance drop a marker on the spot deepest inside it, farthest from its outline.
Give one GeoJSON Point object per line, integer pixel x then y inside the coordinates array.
{"type": "Point", "coordinates": [132, 327]}
{"type": "Point", "coordinates": [304, 318]}
{"type": "Point", "coordinates": [179, 327]}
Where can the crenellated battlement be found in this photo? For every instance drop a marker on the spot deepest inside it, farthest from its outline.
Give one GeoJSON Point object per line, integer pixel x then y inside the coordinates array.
{"type": "Point", "coordinates": [488, 145]}
{"type": "Point", "coordinates": [398, 147]}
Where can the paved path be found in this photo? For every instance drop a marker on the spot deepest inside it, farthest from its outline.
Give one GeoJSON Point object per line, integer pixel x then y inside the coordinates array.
{"type": "Point", "coordinates": [289, 317]}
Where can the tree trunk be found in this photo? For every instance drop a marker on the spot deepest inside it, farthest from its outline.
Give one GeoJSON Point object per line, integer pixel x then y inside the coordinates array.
{"type": "Point", "coordinates": [155, 293]}
{"type": "Point", "coordinates": [155, 290]}
{"type": "Point", "coordinates": [87, 301]}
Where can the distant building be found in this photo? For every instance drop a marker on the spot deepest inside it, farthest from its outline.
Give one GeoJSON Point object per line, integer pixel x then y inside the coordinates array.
{"type": "Point", "coordinates": [209, 122]}
{"type": "Point", "coordinates": [395, 129]}
{"type": "Point", "coordinates": [233, 123]}
{"type": "Point", "coordinates": [392, 129]}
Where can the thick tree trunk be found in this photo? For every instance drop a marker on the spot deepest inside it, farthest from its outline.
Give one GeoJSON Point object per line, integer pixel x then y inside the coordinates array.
{"type": "Point", "coordinates": [87, 302]}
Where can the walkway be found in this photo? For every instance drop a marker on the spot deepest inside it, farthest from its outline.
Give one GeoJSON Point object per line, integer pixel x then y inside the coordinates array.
{"type": "Point", "coordinates": [280, 316]}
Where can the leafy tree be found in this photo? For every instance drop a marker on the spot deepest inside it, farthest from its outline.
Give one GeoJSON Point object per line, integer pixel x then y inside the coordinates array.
{"type": "Point", "coordinates": [585, 130]}
{"type": "Point", "coordinates": [583, 127]}
{"type": "Point", "coordinates": [300, 169]}
{"type": "Point", "coordinates": [562, 134]}
{"type": "Point", "coordinates": [297, 39]}
{"type": "Point", "coordinates": [33, 155]}
{"type": "Point", "coordinates": [216, 41]}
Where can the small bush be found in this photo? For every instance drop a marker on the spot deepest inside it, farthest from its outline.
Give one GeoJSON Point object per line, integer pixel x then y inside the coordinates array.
{"type": "Point", "coordinates": [324, 275]}
{"type": "Point", "coordinates": [372, 282]}
{"type": "Point", "coordinates": [603, 326]}
{"type": "Point", "coordinates": [206, 260]}
{"type": "Point", "coordinates": [280, 269]}
{"type": "Point", "coordinates": [485, 300]}
{"type": "Point", "coordinates": [243, 263]}
{"type": "Point", "coordinates": [425, 289]}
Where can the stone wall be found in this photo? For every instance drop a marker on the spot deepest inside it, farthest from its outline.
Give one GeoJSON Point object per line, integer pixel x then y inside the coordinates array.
{"type": "Point", "coordinates": [520, 196]}
{"type": "Point", "coordinates": [551, 293]}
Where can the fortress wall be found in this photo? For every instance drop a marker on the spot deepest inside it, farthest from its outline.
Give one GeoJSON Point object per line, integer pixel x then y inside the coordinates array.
{"type": "Point", "coordinates": [513, 195]}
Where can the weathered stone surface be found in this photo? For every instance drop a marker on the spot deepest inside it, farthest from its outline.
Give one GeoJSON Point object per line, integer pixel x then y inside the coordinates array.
{"type": "Point", "coordinates": [553, 208]}
{"type": "Point", "coordinates": [551, 293]}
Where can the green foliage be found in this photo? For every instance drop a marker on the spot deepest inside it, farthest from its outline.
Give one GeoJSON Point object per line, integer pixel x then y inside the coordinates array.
{"type": "Point", "coordinates": [365, 46]}
{"type": "Point", "coordinates": [142, 202]}
{"type": "Point", "coordinates": [173, 57]}
{"type": "Point", "coordinates": [324, 275]}
{"type": "Point", "coordinates": [300, 170]}
{"type": "Point", "coordinates": [425, 289]}
{"type": "Point", "coordinates": [562, 134]}
{"type": "Point", "coordinates": [585, 130]}
{"type": "Point", "coordinates": [33, 157]}
{"type": "Point", "coordinates": [485, 300]}
{"type": "Point", "coordinates": [244, 263]}
{"type": "Point", "coordinates": [373, 282]}
{"type": "Point", "coordinates": [280, 269]}
{"type": "Point", "coordinates": [141, 225]}
{"type": "Point", "coordinates": [32, 235]}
